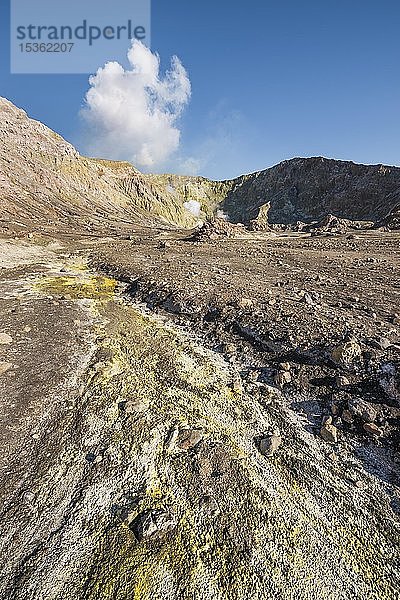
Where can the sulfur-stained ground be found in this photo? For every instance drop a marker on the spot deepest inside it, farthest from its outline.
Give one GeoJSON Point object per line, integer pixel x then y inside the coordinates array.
{"type": "Point", "coordinates": [138, 380]}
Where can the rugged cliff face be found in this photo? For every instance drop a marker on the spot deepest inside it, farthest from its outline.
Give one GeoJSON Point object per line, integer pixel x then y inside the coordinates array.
{"type": "Point", "coordinates": [209, 194]}
{"type": "Point", "coordinates": [46, 185]}
{"type": "Point", "coordinates": [392, 219]}
{"type": "Point", "coordinates": [307, 189]}
{"type": "Point", "coordinates": [51, 185]}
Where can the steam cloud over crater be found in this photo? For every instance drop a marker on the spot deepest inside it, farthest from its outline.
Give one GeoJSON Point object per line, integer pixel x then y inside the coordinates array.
{"type": "Point", "coordinates": [132, 114]}
{"type": "Point", "coordinates": [193, 206]}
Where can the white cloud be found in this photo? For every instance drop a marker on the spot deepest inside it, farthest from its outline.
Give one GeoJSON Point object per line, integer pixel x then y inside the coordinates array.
{"type": "Point", "coordinates": [190, 166]}
{"type": "Point", "coordinates": [132, 114]}
{"type": "Point", "coordinates": [222, 215]}
{"type": "Point", "coordinates": [193, 206]}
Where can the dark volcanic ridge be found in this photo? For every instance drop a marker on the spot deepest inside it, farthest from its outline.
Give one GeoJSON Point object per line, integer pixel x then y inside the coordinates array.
{"type": "Point", "coordinates": [307, 189]}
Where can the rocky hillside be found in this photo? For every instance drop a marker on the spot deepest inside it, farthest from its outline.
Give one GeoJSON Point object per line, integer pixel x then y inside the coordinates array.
{"type": "Point", "coordinates": [46, 185]}
{"type": "Point", "coordinates": [301, 189]}
{"type": "Point", "coordinates": [392, 219]}
{"type": "Point", "coordinates": [307, 189]}
{"type": "Point", "coordinates": [209, 194]}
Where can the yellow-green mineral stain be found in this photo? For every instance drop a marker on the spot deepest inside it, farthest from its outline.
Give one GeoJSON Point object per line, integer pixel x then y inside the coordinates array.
{"type": "Point", "coordinates": [93, 287]}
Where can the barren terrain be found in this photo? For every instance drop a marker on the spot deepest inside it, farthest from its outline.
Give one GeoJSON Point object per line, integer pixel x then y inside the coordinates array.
{"type": "Point", "coordinates": [208, 413]}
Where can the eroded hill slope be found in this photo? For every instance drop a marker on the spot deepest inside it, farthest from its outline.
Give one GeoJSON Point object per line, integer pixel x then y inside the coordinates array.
{"type": "Point", "coordinates": [46, 185]}
{"type": "Point", "coordinates": [307, 189]}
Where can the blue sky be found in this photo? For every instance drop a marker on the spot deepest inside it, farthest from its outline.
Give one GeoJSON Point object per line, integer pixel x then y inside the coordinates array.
{"type": "Point", "coordinates": [269, 81]}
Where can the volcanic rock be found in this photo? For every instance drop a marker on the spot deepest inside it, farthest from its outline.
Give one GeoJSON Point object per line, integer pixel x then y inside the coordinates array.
{"type": "Point", "coordinates": [269, 444]}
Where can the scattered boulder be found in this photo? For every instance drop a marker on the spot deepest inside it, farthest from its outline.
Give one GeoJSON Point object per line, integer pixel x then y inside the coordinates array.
{"type": "Point", "coordinates": [213, 230]}
{"type": "Point", "coordinates": [282, 378]}
{"type": "Point", "coordinates": [269, 444]}
{"type": "Point", "coordinates": [389, 381]}
{"type": "Point", "coordinates": [329, 224]}
{"type": "Point", "coordinates": [362, 409]}
{"type": "Point", "coordinates": [151, 523]}
{"type": "Point", "coordinates": [334, 408]}
{"type": "Point", "coordinates": [4, 367]}
{"type": "Point", "coordinates": [297, 226]}
{"type": "Point", "coordinates": [329, 431]}
{"type": "Point", "coordinates": [347, 417]}
{"type": "Point", "coordinates": [245, 303]}
{"type": "Point", "coordinates": [373, 429]}
{"type": "Point", "coordinates": [307, 298]}
{"type": "Point", "coordinates": [345, 354]}
{"type": "Point", "coordinates": [341, 382]}
{"type": "Point", "coordinates": [28, 497]}
{"type": "Point", "coordinates": [136, 405]}
{"type": "Point", "coordinates": [5, 339]}
{"type": "Point", "coordinates": [189, 438]}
